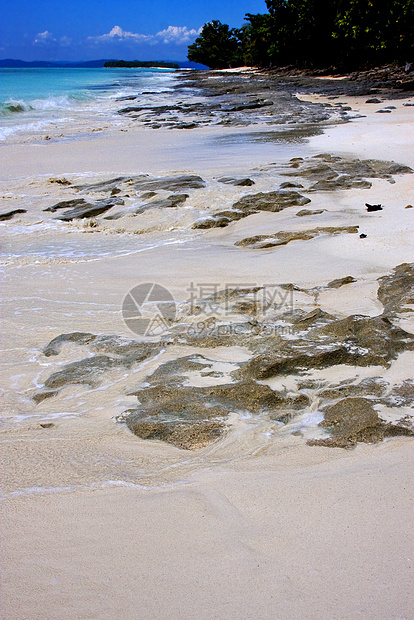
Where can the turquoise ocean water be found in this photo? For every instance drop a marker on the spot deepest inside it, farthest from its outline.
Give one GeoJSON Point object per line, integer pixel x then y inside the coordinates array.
{"type": "Point", "coordinates": [32, 98]}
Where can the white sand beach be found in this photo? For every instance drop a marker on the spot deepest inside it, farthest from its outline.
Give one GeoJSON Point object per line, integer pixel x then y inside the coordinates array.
{"type": "Point", "coordinates": [98, 523]}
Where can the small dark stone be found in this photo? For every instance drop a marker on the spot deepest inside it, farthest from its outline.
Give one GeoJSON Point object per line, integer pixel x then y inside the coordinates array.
{"type": "Point", "coordinates": [41, 396]}
{"type": "Point", "coordinates": [186, 125]}
{"type": "Point", "coordinates": [289, 185]}
{"type": "Point", "coordinates": [10, 214]}
{"type": "Point", "coordinates": [362, 236]}
{"type": "Point", "coordinates": [373, 100]}
{"type": "Point", "coordinates": [340, 282]}
{"type": "Point", "coordinates": [371, 208]}
{"type": "Point", "coordinates": [305, 212]}
{"type": "Point", "coordinates": [238, 182]}
{"type": "Point", "coordinates": [60, 181]}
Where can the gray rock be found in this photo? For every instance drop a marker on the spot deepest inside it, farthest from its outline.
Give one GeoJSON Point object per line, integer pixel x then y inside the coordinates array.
{"type": "Point", "coordinates": [172, 183]}
{"type": "Point", "coordinates": [67, 204]}
{"type": "Point", "coordinates": [343, 182]}
{"type": "Point", "coordinates": [290, 185]}
{"type": "Point", "coordinates": [10, 214]}
{"type": "Point", "coordinates": [164, 203]}
{"type": "Point", "coordinates": [90, 210]}
{"type": "Point", "coordinates": [55, 346]}
{"type": "Point", "coordinates": [270, 201]}
{"type": "Point", "coordinates": [104, 186]}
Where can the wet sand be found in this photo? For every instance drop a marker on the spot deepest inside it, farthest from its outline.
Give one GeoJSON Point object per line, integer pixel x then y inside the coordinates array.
{"type": "Point", "coordinates": [101, 524]}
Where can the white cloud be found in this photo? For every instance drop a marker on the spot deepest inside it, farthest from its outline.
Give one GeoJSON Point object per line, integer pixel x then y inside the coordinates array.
{"type": "Point", "coordinates": [176, 34]}
{"type": "Point", "coordinates": [117, 34]}
{"type": "Point", "coordinates": [43, 38]}
{"type": "Point", "coordinates": [172, 34]}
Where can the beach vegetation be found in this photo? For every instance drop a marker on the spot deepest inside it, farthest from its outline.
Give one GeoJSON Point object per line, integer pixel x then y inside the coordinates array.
{"type": "Point", "coordinates": [218, 46]}
{"type": "Point", "coordinates": [348, 34]}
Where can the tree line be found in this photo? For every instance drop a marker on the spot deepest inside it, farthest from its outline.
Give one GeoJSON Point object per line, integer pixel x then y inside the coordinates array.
{"type": "Point", "coordinates": [346, 34]}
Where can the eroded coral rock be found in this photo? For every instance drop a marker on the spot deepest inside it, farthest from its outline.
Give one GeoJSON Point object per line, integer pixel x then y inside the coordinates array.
{"type": "Point", "coordinates": [283, 238]}
{"type": "Point", "coordinates": [327, 172]}
{"type": "Point", "coordinates": [253, 203]}
{"type": "Point", "coordinates": [341, 282]}
{"type": "Point", "coordinates": [354, 420]}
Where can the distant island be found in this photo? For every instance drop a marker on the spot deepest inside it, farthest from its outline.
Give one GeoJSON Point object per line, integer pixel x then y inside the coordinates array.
{"type": "Point", "coordinates": [146, 64]}
{"type": "Point", "coordinates": [11, 63]}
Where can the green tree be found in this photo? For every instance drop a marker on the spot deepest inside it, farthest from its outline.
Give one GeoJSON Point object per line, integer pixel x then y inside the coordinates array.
{"type": "Point", "coordinates": [303, 31]}
{"type": "Point", "coordinates": [257, 39]}
{"type": "Point", "coordinates": [350, 33]}
{"type": "Point", "coordinates": [218, 46]}
{"type": "Point", "coordinates": [372, 32]}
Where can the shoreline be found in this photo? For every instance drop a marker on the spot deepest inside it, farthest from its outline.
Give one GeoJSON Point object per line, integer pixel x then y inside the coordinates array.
{"type": "Point", "coordinates": [188, 532]}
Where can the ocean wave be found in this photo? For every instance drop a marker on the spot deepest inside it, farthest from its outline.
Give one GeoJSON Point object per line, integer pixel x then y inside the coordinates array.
{"type": "Point", "coordinates": [14, 106]}
{"type": "Point", "coordinates": [17, 106]}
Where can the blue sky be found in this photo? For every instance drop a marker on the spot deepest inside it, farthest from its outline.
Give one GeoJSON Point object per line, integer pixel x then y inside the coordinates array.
{"type": "Point", "coordinates": [127, 29]}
